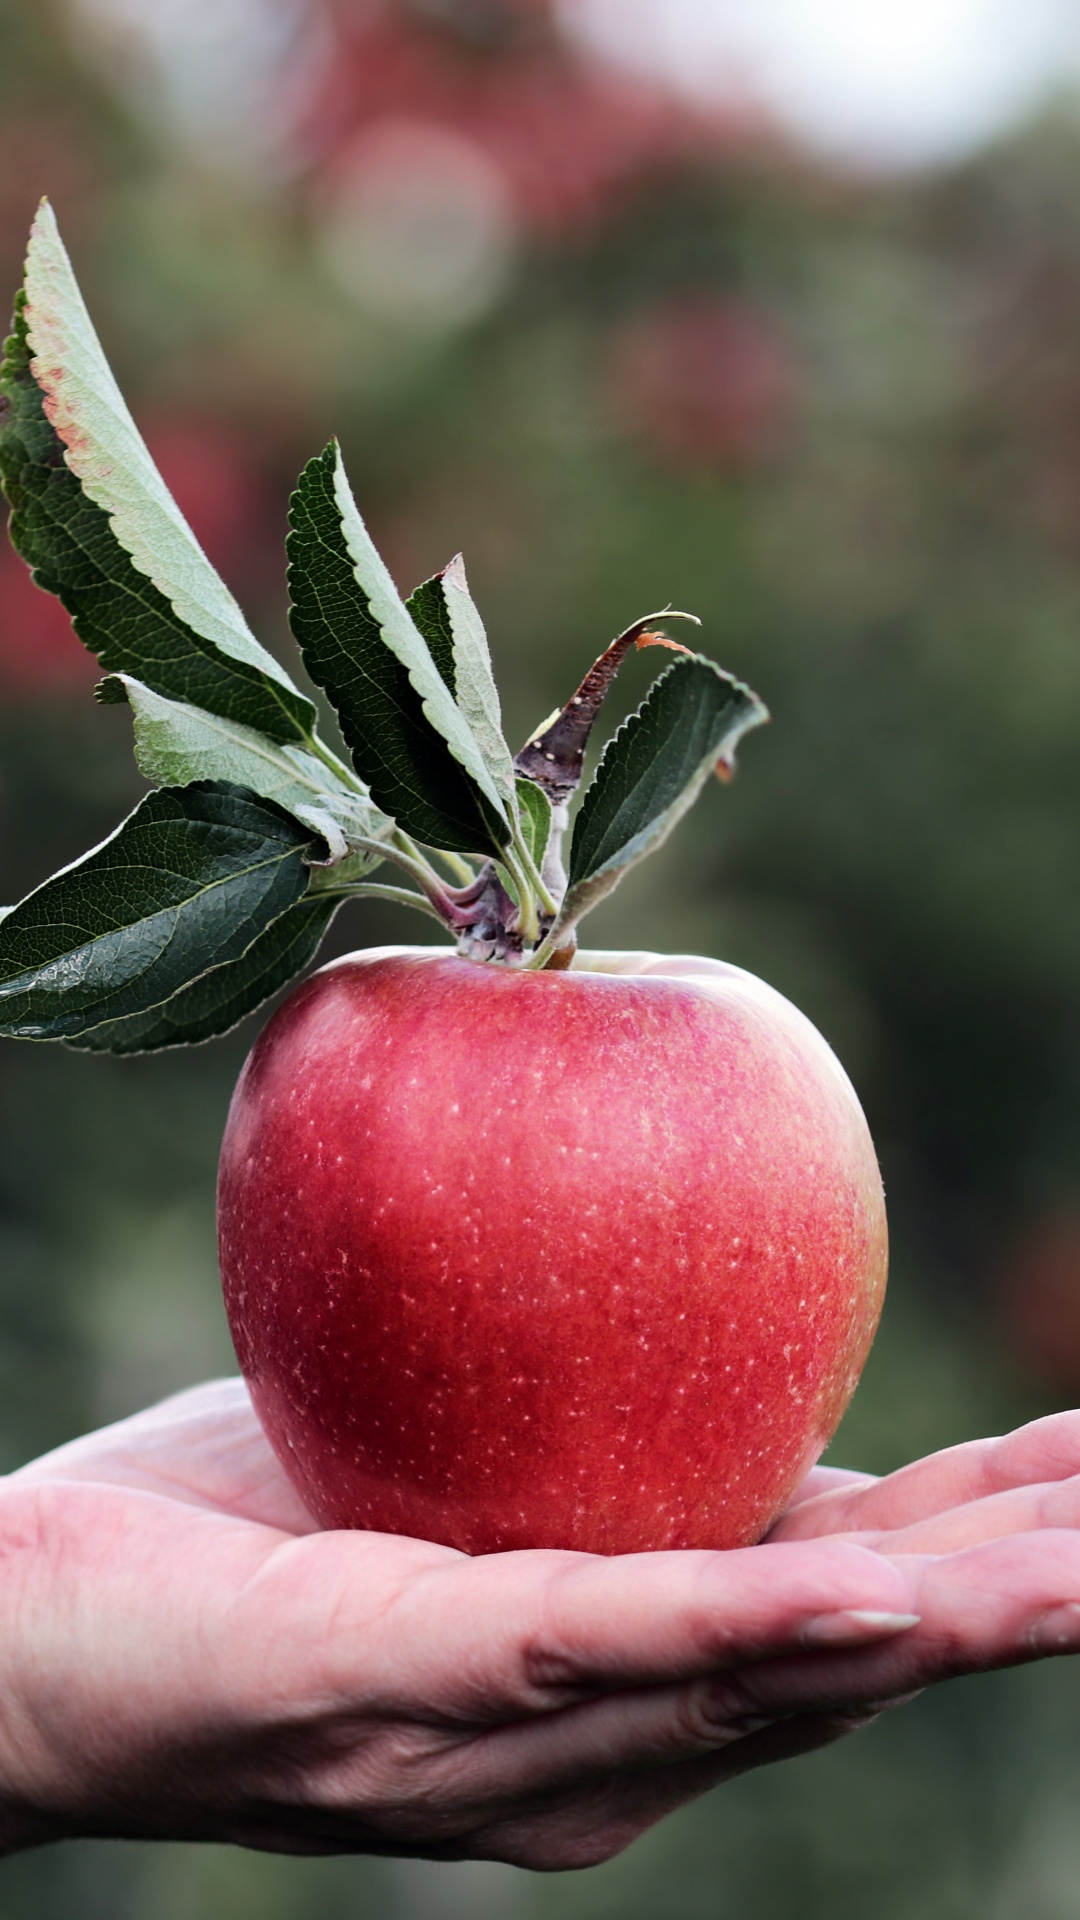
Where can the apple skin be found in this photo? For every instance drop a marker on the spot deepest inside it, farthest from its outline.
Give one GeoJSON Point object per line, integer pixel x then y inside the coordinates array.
{"type": "Point", "coordinates": [584, 1260]}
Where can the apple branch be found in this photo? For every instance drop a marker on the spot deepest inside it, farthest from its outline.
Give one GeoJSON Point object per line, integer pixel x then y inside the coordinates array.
{"type": "Point", "coordinates": [220, 886]}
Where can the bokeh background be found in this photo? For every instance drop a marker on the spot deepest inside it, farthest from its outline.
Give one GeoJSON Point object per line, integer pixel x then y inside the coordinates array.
{"type": "Point", "coordinates": [772, 312]}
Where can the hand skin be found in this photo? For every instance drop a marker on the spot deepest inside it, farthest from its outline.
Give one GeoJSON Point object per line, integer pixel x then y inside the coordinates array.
{"type": "Point", "coordinates": [183, 1654]}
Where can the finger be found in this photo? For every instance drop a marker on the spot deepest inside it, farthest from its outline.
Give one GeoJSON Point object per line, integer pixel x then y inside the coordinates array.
{"type": "Point", "coordinates": [694, 1734]}
{"type": "Point", "coordinates": [1044, 1450]}
{"type": "Point", "coordinates": [592, 1824]}
{"type": "Point", "coordinates": [574, 1825]}
{"type": "Point", "coordinates": [600, 1740]}
{"type": "Point", "coordinates": [1023, 1510]}
{"type": "Point", "coordinates": [821, 1480]}
{"type": "Point", "coordinates": [524, 1633]}
{"type": "Point", "coordinates": [998, 1604]}
{"type": "Point", "coordinates": [203, 1447]}
{"type": "Point", "coordinates": [1003, 1602]}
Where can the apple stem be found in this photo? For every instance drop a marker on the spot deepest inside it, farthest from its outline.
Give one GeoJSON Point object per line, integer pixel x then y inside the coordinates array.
{"type": "Point", "coordinates": [559, 938]}
{"type": "Point", "coordinates": [554, 872]}
{"type": "Point", "coordinates": [562, 957]}
{"type": "Point", "coordinates": [549, 946]}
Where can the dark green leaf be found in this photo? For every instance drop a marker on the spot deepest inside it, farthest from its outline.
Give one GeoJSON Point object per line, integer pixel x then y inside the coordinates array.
{"type": "Point", "coordinates": [431, 616]}
{"type": "Point", "coordinates": [409, 743]}
{"type": "Point", "coordinates": [186, 883]}
{"type": "Point", "coordinates": [117, 609]}
{"type": "Point", "coordinates": [216, 1001]}
{"type": "Point", "coordinates": [652, 771]}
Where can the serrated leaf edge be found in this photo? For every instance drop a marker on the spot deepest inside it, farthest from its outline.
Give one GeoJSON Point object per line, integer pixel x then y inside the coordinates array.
{"type": "Point", "coordinates": [586, 893]}
{"type": "Point", "coordinates": [71, 369]}
{"type": "Point", "coordinates": [406, 642]}
{"type": "Point", "coordinates": [476, 695]}
{"type": "Point", "coordinates": [11, 984]}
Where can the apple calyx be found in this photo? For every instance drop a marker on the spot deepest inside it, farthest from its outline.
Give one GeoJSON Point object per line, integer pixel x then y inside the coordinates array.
{"type": "Point", "coordinates": [217, 890]}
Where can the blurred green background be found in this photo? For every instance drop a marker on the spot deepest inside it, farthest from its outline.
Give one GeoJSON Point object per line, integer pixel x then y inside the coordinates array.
{"type": "Point", "coordinates": [624, 345]}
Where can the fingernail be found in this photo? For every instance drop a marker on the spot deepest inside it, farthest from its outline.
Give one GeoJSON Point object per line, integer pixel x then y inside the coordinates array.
{"type": "Point", "coordinates": [854, 1625]}
{"type": "Point", "coordinates": [1057, 1630]}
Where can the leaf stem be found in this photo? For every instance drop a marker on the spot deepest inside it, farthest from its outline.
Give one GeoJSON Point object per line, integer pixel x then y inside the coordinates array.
{"type": "Point", "coordinates": [402, 896]}
{"type": "Point", "coordinates": [417, 869]}
{"type": "Point", "coordinates": [329, 759]}
{"type": "Point", "coordinates": [528, 919]}
{"type": "Point", "coordinates": [458, 866]}
{"type": "Point", "coordinates": [410, 857]}
{"type": "Point", "coordinates": [539, 957]}
{"type": "Point", "coordinates": [549, 904]}
{"type": "Point", "coordinates": [408, 845]}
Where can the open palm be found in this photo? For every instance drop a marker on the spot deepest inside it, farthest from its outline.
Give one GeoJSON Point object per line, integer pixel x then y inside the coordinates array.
{"type": "Point", "coordinates": [186, 1655]}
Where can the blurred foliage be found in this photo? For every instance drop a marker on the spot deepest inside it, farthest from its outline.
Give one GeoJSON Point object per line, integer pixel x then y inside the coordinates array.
{"type": "Point", "coordinates": [840, 421]}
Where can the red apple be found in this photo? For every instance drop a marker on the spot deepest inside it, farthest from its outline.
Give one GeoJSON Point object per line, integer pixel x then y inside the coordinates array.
{"type": "Point", "coordinates": [585, 1259]}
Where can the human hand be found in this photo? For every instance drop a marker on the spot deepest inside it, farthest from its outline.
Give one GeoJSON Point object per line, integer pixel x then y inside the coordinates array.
{"type": "Point", "coordinates": [961, 1497]}
{"type": "Point", "coordinates": [1000, 1518]}
{"type": "Point", "coordinates": [184, 1655]}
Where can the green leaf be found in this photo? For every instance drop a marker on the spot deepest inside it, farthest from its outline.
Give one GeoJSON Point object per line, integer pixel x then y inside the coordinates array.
{"type": "Point", "coordinates": [93, 518]}
{"type": "Point", "coordinates": [218, 999]}
{"type": "Point", "coordinates": [474, 683]}
{"type": "Point", "coordinates": [409, 742]}
{"type": "Point", "coordinates": [445, 613]}
{"type": "Point", "coordinates": [176, 744]}
{"type": "Point", "coordinates": [186, 883]}
{"type": "Point", "coordinates": [652, 771]}
{"type": "Point", "coordinates": [534, 811]}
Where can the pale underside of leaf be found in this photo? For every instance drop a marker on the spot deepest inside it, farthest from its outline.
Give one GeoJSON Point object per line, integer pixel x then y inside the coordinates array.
{"type": "Point", "coordinates": [332, 832]}
{"type": "Point", "coordinates": [475, 689]}
{"type": "Point", "coordinates": [176, 744]}
{"type": "Point", "coordinates": [407, 644]}
{"type": "Point", "coordinates": [105, 450]}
